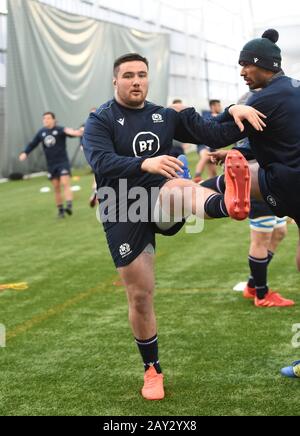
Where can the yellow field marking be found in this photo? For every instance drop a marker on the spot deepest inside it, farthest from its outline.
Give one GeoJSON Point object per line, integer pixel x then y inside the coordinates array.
{"type": "Point", "coordinates": [14, 286]}
{"type": "Point", "coordinates": [53, 311]}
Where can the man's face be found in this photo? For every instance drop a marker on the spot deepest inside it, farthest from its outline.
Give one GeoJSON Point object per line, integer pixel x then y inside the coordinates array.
{"type": "Point", "coordinates": [216, 108]}
{"type": "Point", "coordinates": [255, 77]}
{"type": "Point", "coordinates": [132, 83]}
{"type": "Point", "coordinates": [48, 122]}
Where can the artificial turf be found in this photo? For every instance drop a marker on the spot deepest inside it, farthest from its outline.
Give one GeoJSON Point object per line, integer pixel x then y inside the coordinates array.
{"type": "Point", "coordinates": [69, 348]}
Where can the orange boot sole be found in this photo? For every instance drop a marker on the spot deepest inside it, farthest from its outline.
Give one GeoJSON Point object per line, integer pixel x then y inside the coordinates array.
{"type": "Point", "coordinates": [238, 186]}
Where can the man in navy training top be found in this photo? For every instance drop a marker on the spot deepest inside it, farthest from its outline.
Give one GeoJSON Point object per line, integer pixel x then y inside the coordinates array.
{"type": "Point", "coordinates": [276, 177]}
{"type": "Point", "coordinates": [267, 231]}
{"type": "Point", "coordinates": [127, 142]}
{"type": "Point", "coordinates": [53, 138]}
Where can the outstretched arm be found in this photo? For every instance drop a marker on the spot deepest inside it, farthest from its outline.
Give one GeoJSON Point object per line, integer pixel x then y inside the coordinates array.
{"type": "Point", "coordinates": [191, 127]}
{"type": "Point", "coordinates": [73, 133]}
{"type": "Point", "coordinates": [30, 147]}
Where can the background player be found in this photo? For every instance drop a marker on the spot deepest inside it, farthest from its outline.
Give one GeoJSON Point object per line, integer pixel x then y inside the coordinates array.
{"type": "Point", "coordinates": [53, 138]}
{"type": "Point", "coordinates": [203, 150]}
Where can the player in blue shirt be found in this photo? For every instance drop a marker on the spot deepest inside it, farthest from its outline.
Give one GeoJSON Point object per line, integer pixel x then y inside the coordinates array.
{"type": "Point", "coordinates": [127, 142]}
{"type": "Point", "coordinates": [267, 231]}
{"type": "Point", "coordinates": [276, 177]}
{"type": "Point", "coordinates": [53, 138]}
{"type": "Point", "coordinates": [277, 149]}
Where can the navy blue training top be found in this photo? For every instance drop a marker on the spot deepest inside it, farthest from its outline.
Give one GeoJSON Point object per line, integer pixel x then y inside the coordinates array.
{"type": "Point", "coordinates": [117, 140]}
{"type": "Point", "coordinates": [54, 145]}
{"type": "Point", "coordinates": [280, 141]}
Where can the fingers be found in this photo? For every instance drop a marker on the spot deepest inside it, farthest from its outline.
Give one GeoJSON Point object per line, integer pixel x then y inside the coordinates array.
{"type": "Point", "coordinates": [261, 122]}
{"type": "Point", "coordinates": [166, 174]}
{"type": "Point", "coordinates": [170, 167]}
{"type": "Point", "coordinates": [260, 114]}
{"type": "Point", "coordinates": [255, 121]}
{"type": "Point", "coordinates": [167, 166]}
{"type": "Point", "coordinates": [239, 123]}
{"type": "Point", "coordinates": [173, 163]}
{"type": "Point", "coordinates": [252, 115]}
{"type": "Point", "coordinates": [173, 159]}
{"type": "Point", "coordinates": [170, 171]}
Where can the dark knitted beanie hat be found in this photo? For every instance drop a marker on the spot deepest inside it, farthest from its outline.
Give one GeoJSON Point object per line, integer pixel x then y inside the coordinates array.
{"type": "Point", "coordinates": [263, 52]}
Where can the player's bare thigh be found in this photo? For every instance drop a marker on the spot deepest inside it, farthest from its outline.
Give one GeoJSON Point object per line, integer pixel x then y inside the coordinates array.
{"type": "Point", "coordinates": [184, 197]}
{"type": "Point", "coordinates": [255, 189]}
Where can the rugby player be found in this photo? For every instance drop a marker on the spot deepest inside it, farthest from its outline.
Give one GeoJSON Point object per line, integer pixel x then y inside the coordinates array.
{"type": "Point", "coordinates": [127, 142]}
{"type": "Point", "coordinates": [53, 138]}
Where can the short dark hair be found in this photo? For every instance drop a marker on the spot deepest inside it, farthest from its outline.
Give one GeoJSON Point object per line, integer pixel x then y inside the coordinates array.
{"type": "Point", "coordinates": [129, 57]}
{"type": "Point", "coordinates": [177, 101]}
{"type": "Point", "coordinates": [213, 102]}
{"type": "Point", "coordinates": [51, 114]}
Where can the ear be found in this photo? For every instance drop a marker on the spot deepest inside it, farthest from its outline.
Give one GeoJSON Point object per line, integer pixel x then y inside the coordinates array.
{"type": "Point", "coordinates": [114, 82]}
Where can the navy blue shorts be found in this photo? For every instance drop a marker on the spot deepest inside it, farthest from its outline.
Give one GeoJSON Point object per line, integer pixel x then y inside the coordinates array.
{"type": "Point", "coordinates": [127, 241]}
{"type": "Point", "coordinates": [280, 188]}
{"type": "Point", "coordinates": [59, 170]}
{"type": "Point", "coordinates": [259, 209]}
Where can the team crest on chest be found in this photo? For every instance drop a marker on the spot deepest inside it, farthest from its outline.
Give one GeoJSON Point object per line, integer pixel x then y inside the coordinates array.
{"type": "Point", "coordinates": [157, 118]}
{"type": "Point", "coordinates": [50, 141]}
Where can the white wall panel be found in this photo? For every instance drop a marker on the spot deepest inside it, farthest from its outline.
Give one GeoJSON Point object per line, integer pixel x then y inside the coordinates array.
{"type": "Point", "coordinates": [211, 29]}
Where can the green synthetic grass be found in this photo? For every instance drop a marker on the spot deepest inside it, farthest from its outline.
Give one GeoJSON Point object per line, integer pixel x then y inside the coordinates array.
{"type": "Point", "coordinates": [69, 347]}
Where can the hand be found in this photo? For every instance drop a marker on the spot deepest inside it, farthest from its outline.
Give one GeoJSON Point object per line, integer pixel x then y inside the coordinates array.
{"type": "Point", "coordinates": [164, 165]}
{"type": "Point", "coordinates": [22, 157]}
{"type": "Point", "coordinates": [218, 157]}
{"type": "Point", "coordinates": [178, 107]}
{"type": "Point", "coordinates": [74, 133]}
{"type": "Point", "coordinates": [253, 116]}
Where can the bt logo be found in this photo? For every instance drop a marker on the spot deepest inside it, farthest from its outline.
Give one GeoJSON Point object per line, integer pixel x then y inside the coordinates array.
{"type": "Point", "coordinates": [146, 144]}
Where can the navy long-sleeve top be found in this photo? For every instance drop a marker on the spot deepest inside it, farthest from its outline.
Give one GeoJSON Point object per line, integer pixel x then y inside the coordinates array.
{"type": "Point", "coordinates": [117, 140]}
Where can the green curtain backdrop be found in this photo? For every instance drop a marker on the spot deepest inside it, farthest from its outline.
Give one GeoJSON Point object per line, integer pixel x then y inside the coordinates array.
{"type": "Point", "coordinates": [63, 63]}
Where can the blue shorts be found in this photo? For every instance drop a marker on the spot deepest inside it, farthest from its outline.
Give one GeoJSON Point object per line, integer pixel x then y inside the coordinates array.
{"type": "Point", "coordinates": [259, 209]}
{"type": "Point", "coordinates": [280, 188]}
{"type": "Point", "coordinates": [127, 241]}
{"type": "Point", "coordinates": [59, 170]}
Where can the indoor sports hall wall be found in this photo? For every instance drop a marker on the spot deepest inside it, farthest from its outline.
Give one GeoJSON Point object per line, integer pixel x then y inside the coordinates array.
{"type": "Point", "coordinates": [63, 63]}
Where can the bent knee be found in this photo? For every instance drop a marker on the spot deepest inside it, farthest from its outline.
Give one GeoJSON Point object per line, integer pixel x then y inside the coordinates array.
{"type": "Point", "coordinates": [280, 233]}
{"type": "Point", "coordinates": [140, 300]}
